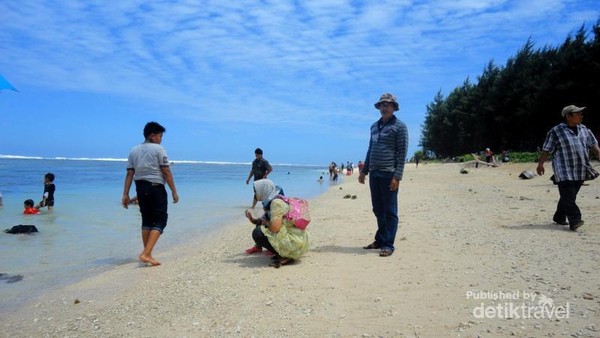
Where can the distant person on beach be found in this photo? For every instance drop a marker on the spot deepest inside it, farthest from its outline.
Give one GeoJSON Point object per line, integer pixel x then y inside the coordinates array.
{"type": "Point", "coordinates": [1, 203]}
{"type": "Point", "coordinates": [332, 170]}
{"type": "Point", "coordinates": [29, 209]}
{"type": "Point", "coordinates": [384, 163]}
{"type": "Point", "coordinates": [48, 196]}
{"type": "Point", "coordinates": [278, 235]}
{"type": "Point", "coordinates": [569, 143]}
{"type": "Point", "coordinates": [417, 159]}
{"type": "Point", "coordinates": [260, 170]}
{"type": "Point", "coordinates": [489, 156]}
{"type": "Point", "coordinates": [148, 166]}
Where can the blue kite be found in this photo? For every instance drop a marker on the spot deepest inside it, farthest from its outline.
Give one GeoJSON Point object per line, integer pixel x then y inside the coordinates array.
{"type": "Point", "coordinates": [6, 85]}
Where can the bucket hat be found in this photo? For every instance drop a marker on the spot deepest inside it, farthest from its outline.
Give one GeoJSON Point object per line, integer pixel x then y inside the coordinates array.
{"type": "Point", "coordinates": [387, 97]}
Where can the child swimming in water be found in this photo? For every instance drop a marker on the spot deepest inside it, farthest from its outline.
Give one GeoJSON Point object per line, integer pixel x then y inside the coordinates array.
{"type": "Point", "coordinates": [29, 209]}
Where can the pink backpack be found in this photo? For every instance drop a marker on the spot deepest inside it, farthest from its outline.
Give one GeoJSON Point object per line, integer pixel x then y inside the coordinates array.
{"type": "Point", "coordinates": [298, 213]}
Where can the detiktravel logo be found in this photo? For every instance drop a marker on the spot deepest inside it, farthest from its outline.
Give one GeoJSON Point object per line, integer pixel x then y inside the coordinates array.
{"type": "Point", "coordinates": [516, 305]}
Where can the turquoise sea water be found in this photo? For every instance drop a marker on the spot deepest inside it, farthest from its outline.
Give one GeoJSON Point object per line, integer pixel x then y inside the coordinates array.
{"type": "Point", "coordinates": [89, 232]}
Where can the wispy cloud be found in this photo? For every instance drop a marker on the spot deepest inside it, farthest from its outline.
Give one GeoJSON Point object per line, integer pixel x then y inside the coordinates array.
{"type": "Point", "coordinates": [273, 62]}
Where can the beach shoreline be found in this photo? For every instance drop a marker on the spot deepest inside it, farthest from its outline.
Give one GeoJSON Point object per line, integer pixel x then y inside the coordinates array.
{"type": "Point", "coordinates": [89, 231]}
{"type": "Point", "coordinates": [465, 243]}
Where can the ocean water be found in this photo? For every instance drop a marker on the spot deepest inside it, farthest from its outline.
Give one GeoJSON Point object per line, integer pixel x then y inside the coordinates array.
{"type": "Point", "coordinates": [89, 232]}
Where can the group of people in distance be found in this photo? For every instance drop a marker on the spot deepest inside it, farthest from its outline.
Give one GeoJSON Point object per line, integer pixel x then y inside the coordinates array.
{"type": "Point", "coordinates": [334, 170]}
{"type": "Point", "coordinates": [148, 167]}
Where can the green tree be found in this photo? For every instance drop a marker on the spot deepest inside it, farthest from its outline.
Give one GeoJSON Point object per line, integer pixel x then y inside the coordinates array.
{"type": "Point", "coordinates": [512, 107]}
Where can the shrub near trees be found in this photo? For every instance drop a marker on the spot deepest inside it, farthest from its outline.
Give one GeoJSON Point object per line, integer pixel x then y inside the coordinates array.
{"type": "Point", "coordinates": [513, 107]}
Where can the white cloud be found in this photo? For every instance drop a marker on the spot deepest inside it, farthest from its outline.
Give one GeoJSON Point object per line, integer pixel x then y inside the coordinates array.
{"type": "Point", "coordinates": [264, 58]}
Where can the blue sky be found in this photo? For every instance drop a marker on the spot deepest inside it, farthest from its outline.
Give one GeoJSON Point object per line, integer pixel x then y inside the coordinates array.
{"type": "Point", "coordinates": [296, 78]}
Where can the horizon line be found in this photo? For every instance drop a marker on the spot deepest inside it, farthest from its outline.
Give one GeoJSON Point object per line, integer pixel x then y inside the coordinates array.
{"type": "Point", "coordinates": [110, 159]}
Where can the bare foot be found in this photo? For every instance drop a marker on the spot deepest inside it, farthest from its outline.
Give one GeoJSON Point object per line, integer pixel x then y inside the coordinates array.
{"type": "Point", "coordinates": [149, 260]}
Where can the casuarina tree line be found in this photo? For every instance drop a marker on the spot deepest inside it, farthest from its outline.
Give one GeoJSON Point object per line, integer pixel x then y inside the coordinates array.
{"type": "Point", "coordinates": [512, 107]}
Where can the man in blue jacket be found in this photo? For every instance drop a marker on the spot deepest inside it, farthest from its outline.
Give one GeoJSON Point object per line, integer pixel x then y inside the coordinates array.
{"type": "Point", "coordinates": [384, 162]}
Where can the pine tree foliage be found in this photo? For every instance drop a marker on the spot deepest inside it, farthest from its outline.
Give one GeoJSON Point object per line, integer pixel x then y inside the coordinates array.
{"type": "Point", "coordinates": [512, 107]}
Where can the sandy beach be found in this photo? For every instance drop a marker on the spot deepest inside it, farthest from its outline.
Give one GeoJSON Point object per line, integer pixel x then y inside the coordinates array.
{"type": "Point", "coordinates": [477, 255]}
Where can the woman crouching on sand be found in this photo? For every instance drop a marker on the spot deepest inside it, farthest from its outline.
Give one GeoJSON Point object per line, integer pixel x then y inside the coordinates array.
{"type": "Point", "coordinates": [279, 235]}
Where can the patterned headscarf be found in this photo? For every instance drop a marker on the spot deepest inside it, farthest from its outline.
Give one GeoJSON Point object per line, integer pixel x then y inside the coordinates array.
{"type": "Point", "coordinates": [265, 190]}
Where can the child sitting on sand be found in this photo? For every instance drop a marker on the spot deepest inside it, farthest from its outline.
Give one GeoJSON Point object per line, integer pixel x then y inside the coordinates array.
{"type": "Point", "coordinates": [29, 209]}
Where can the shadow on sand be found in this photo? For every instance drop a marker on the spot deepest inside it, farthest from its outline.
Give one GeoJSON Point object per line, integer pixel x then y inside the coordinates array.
{"type": "Point", "coordinates": [546, 226]}
{"type": "Point", "coordinates": [261, 260]}
{"type": "Point", "coordinates": [342, 249]}
{"type": "Point", "coordinates": [251, 261]}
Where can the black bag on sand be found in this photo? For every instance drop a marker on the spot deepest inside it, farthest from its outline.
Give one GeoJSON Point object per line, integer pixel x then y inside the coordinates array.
{"type": "Point", "coordinates": [22, 229]}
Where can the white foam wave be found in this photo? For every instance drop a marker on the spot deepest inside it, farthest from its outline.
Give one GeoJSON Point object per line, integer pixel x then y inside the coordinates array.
{"type": "Point", "coordinates": [110, 159]}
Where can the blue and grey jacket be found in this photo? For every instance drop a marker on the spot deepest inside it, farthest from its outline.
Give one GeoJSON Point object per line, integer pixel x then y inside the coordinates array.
{"type": "Point", "coordinates": [387, 148]}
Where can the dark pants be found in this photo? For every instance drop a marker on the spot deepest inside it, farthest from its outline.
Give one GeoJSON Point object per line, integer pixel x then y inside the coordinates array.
{"type": "Point", "coordinates": [566, 208]}
{"type": "Point", "coordinates": [153, 202]}
{"type": "Point", "coordinates": [385, 208]}
{"type": "Point", "coordinates": [261, 240]}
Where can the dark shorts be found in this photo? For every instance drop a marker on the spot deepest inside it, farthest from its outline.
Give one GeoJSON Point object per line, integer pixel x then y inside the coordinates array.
{"type": "Point", "coordinates": [49, 203]}
{"type": "Point", "coordinates": [153, 202]}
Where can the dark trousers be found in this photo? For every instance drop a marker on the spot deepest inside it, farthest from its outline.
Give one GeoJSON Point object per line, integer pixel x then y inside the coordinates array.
{"type": "Point", "coordinates": [261, 240]}
{"type": "Point", "coordinates": [566, 208]}
{"type": "Point", "coordinates": [385, 208]}
{"type": "Point", "coordinates": [153, 202]}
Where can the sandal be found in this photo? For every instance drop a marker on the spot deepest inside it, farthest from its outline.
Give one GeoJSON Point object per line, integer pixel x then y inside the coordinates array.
{"type": "Point", "coordinates": [253, 250]}
{"type": "Point", "coordinates": [280, 262]}
{"type": "Point", "coordinates": [286, 261]}
{"type": "Point", "coordinates": [386, 252]}
{"type": "Point", "coordinates": [372, 246]}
